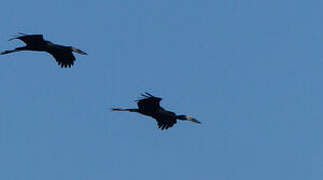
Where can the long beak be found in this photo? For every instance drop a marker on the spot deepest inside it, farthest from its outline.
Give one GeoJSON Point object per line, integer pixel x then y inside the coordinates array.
{"type": "Point", "coordinates": [196, 121]}
{"type": "Point", "coordinates": [79, 51]}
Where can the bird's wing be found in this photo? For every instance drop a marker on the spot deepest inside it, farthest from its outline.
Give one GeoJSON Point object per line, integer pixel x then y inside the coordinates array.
{"type": "Point", "coordinates": [149, 103]}
{"type": "Point", "coordinates": [31, 39]}
{"type": "Point", "coordinates": [165, 121]}
{"type": "Point", "coordinates": [64, 57]}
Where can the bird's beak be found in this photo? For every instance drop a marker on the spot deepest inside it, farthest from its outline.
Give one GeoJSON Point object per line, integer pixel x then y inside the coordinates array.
{"type": "Point", "coordinates": [196, 121]}
{"type": "Point", "coordinates": [79, 51]}
{"type": "Point", "coordinates": [190, 118]}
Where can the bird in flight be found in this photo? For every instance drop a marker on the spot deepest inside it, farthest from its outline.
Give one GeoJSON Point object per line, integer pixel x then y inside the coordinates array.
{"type": "Point", "coordinates": [35, 42]}
{"type": "Point", "coordinates": [149, 105]}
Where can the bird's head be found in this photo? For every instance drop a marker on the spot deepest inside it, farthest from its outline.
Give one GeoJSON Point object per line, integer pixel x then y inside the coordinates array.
{"type": "Point", "coordinates": [188, 118]}
{"type": "Point", "coordinates": [78, 51]}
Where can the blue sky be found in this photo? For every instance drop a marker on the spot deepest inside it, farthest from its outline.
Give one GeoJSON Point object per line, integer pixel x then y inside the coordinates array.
{"type": "Point", "coordinates": [251, 71]}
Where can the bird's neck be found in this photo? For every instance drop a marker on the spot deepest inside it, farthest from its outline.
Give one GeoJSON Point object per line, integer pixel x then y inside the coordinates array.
{"type": "Point", "coordinates": [181, 117]}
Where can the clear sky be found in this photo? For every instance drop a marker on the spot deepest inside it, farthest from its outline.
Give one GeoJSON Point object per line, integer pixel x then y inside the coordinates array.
{"type": "Point", "coordinates": [251, 71]}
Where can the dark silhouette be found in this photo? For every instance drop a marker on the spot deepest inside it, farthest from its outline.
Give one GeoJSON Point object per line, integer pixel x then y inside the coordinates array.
{"type": "Point", "coordinates": [149, 106]}
{"type": "Point", "coordinates": [35, 42]}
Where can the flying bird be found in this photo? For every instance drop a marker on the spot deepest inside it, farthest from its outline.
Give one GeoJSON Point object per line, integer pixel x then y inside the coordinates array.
{"type": "Point", "coordinates": [149, 105]}
{"type": "Point", "coordinates": [35, 42]}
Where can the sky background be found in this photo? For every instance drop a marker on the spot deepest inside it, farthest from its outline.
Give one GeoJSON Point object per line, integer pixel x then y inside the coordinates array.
{"type": "Point", "coordinates": [251, 71]}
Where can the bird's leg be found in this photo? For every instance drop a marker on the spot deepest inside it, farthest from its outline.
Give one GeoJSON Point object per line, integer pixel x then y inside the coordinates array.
{"type": "Point", "coordinates": [120, 109]}
{"type": "Point", "coordinates": [14, 50]}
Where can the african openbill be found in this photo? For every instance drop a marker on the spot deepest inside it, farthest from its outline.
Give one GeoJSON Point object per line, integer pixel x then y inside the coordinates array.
{"type": "Point", "coordinates": [35, 42]}
{"type": "Point", "coordinates": [149, 105]}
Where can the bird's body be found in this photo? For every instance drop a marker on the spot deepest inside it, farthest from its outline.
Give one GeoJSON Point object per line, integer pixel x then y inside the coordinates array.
{"type": "Point", "coordinates": [149, 106]}
{"type": "Point", "coordinates": [62, 54]}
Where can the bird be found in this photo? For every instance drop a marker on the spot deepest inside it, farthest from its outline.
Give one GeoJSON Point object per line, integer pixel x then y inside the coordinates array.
{"type": "Point", "coordinates": [149, 105]}
{"type": "Point", "coordinates": [35, 42]}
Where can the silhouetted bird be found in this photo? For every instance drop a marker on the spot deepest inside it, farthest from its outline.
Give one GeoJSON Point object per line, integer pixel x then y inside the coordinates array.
{"type": "Point", "coordinates": [149, 106]}
{"type": "Point", "coordinates": [35, 42]}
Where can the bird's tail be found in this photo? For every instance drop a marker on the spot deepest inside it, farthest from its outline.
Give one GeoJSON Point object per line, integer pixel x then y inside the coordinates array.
{"type": "Point", "coordinates": [121, 109]}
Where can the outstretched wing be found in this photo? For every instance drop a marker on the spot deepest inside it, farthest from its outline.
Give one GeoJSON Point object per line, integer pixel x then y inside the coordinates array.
{"type": "Point", "coordinates": [30, 39]}
{"type": "Point", "coordinates": [165, 119]}
{"type": "Point", "coordinates": [62, 55]}
{"type": "Point", "coordinates": [149, 103]}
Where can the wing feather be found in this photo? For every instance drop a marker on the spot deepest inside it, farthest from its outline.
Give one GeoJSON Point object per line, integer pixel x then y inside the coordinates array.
{"type": "Point", "coordinates": [149, 103]}
{"type": "Point", "coordinates": [63, 56]}
{"type": "Point", "coordinates": [31, 39]}
{"type": "Point", "coordinates": [165, 119]}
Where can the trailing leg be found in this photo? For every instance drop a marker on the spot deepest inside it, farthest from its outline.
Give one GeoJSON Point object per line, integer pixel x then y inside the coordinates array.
{"type": "Point", "coordinates": [120, 109]}
{"type": "Point", "coordinates": [14, 50]}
